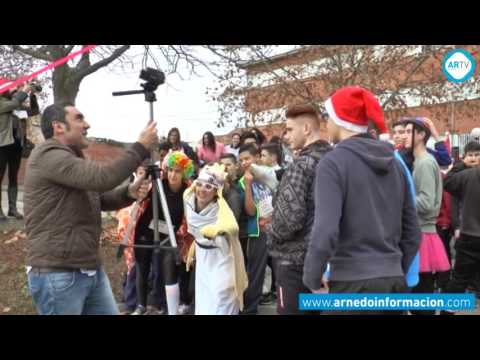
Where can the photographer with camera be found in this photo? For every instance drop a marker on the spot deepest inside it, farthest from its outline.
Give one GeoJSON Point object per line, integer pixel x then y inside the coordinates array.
{"type": "Point", "coordinates": [64, 195]}
{"type": "Point", "coordinates": [13, 115]}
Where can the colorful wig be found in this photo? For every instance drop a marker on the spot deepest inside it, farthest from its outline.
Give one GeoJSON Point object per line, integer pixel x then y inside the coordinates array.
{"type": "Point", "coordinates": [183, 161]}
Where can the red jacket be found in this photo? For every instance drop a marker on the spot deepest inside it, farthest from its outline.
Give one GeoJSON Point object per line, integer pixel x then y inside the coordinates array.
{"type": "Point", "coordinates": [444, 219]}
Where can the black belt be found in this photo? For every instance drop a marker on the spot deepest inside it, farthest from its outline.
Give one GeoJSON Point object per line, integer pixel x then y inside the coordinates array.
{"type": "Point", "coordinates": [206, 247]}
{"type": "Point", "coordinates": [52, 269]}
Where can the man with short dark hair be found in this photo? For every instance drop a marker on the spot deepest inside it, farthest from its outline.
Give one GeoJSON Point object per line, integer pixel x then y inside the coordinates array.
{"type": "Point", "coordinates": [248, 137]}
{"type": "Point", "coordinates": [231, 193]}
{"type": "Point", "coordinates": [257, 210]}
{"type": "Point", "coordinates": [64, 194]}
{"type": "Point", "coordinates": [398, 135]}
{"type": "Point", "coordinates": [293, 206]}
{"type": "Point", "coordinates": [271, 156]}
{"type": "Point", "coordinates": [463, 182]}
{"type": "Point", "coordinates": [234, 146]}
{"type": "Point", "coordinates": [231, 168]}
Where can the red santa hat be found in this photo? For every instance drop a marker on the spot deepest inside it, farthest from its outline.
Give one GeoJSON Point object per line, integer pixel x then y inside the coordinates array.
{"type": "Point", "coordinates": [352, 107]}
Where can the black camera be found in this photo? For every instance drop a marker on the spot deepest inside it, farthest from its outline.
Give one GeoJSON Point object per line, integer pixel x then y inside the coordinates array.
{"type": "Point", "coordinates": [152, 76]}
{"type": "Point", "coordinates": [35, 87]}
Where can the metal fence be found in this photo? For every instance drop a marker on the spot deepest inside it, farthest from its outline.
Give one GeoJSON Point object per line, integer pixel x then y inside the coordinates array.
{"type": "Point", "coordinates": [460, 140]}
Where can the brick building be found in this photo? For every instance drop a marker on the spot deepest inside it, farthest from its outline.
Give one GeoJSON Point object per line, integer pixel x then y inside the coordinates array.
{"type": "Point", "coordinates": [266, 99]}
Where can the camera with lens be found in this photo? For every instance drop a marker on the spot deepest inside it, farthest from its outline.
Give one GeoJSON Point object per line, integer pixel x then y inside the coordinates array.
{"type": "Point", "coordinates": [36, 88]}
{"type": "Point", "coordinates": [153, 78]}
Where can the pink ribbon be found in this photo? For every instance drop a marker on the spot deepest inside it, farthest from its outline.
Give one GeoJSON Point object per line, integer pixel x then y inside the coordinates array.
{"type": "Point", "coordinates": [53, 65]}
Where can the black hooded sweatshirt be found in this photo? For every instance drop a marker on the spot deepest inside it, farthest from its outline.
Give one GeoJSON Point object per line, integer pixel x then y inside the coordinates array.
{"type": "Point", "coordinates": [365, 221]}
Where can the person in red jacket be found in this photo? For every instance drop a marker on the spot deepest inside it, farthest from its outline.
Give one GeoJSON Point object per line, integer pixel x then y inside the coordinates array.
{"type": "Point", "coordinates": [445, 232]}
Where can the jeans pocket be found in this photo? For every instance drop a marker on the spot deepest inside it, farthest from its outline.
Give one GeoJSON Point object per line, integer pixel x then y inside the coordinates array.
{"type": "Point", "coordinates": [35, 282]}
{"type": "Point", "coordinates": [61, 281]}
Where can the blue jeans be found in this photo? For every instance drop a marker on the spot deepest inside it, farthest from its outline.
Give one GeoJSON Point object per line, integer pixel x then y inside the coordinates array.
{"type": "Point", "coordinates": [130, 289]}
{"type": "Point", "coordinates": [72, 293]}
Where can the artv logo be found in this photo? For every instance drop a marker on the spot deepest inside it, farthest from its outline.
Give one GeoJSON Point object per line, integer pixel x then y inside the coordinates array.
{"type": "Point", "coordinates": [458, 65]}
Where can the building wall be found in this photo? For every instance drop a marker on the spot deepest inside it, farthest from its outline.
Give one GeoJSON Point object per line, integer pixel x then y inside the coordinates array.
{"type": "Point", "coordinates": [460, 116]}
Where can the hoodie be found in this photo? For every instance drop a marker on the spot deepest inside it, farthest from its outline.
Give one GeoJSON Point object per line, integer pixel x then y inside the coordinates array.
{"type": "Point", "coordinates": [464, 183]}
{"type": "Point", "coordinates": [365, 221]}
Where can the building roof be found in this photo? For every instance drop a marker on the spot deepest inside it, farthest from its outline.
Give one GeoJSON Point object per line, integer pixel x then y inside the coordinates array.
{"type": "Point", "coordinates": [250, 63]}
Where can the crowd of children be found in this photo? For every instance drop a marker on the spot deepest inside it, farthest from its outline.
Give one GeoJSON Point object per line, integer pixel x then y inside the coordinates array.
{"type": "Point", "coordinates": [371, 211]}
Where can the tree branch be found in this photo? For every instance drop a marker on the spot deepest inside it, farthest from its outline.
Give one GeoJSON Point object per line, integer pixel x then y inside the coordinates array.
{"type": "Point", "coordinates": [40, 53]}
{"type": "Point", "coordinates": [84, 62]}
{"type": "Point", "coordinates": [80, 74]}
{"type": "Point", "coordinates": [68, 49]}
{"type": "Point", "coordinates": [290, 89]}
{"type": "Point", "coordinates": [407, 78]}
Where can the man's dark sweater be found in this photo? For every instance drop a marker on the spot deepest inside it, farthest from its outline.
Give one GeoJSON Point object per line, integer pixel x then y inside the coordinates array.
{"type": "Point", "coordinates": [464, 183]}
{"type": "Point", "coordinates": [365, 221]}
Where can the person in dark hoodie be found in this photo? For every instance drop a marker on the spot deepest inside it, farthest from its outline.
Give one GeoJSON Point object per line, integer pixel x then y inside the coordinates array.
{"type": "Point", "coordinates": [463, 182]}
{"type": "Point", "coordinates": [365, 224]}
{"type": "Point", "coordinates": [293, 206]}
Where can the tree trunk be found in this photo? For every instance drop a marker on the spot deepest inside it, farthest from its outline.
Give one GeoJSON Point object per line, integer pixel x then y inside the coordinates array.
{"type": "Point", "coordinates": [65, 85]}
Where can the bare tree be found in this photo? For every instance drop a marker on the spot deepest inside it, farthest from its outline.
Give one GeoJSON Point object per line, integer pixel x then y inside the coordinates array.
{"type": "Point", "coordinates": [184, 60]}
{"type": "Point", "coordinates": [66, 78]}
{"type": "Point", "coordinates": [253, 78]}
{"type": "Point", "coordinates": [400, 75]}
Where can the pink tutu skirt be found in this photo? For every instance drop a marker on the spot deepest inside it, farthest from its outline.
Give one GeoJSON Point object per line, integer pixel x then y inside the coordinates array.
{"type": "Point", "coordinates": [433, 257]}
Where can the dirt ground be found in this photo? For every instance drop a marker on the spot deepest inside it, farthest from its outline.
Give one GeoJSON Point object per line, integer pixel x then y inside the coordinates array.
{"type": "Point", "coordinates": [14, 296]}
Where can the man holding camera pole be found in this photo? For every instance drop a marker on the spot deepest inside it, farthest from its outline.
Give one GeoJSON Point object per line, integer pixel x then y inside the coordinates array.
{"type": "Point", "coordinates": [64, 195]}
{"type": "Point", "coordinates": [13, 137]}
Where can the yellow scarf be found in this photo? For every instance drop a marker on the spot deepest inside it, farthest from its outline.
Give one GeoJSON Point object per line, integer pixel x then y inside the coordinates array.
{"type": "Point", "coordinates": [226, 225]}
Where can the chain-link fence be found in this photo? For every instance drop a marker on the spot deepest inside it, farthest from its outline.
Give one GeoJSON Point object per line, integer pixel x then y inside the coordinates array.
{"type": "Point", "coordinates": [460, 140]}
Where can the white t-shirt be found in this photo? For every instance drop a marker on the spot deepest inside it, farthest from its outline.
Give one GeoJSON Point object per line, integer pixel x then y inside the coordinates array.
{"type": "Point", "coordinates": [231, 150]}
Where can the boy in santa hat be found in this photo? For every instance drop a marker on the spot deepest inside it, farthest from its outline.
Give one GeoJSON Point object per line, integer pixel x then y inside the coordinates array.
{"type": "Point", "coordinates": [365, 223]}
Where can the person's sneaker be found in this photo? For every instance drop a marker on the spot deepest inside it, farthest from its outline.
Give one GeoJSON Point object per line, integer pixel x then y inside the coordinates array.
{"type": "Point", "coordinates": [183, 309]}
{"type": "Point", "coordinates": [445, 312]}
{"type": "Point", "coordinates": [153, 310]}
{"type": "Point", "coordinates": [14, 213]}
{"type": "Point", "coordinates": [267, 299]}
{"type": "Point", "coordinates": [140, 310]}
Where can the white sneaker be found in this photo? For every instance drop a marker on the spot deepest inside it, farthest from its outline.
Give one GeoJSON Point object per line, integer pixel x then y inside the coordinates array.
{"type": "Point", "coordinates": [183, 309]}
{"type": "Point", "coordinates": [140, 310]}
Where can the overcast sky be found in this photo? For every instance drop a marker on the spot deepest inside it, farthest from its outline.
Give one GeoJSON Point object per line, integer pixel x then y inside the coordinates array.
{"type": "Point", "coordinates": [180, 103]}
